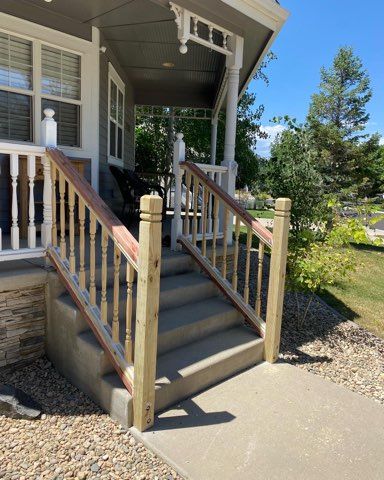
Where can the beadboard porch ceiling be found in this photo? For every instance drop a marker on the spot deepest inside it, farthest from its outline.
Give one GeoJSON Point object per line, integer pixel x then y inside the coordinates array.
{"type": "Point", "coordinates": [143, 36]}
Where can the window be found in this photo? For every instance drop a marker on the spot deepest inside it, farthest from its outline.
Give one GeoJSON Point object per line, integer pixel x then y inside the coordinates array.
{"type": "Point", "coordinates": [116, 117]}
{"type": "Point", "coordinates": [15, 76]}
{"type": "Point", "coordinates": [15, 116]}
{"type": "Point", "coordinates": [61, 78]}
{"type": "Point", "coordinates": [60, 73]}
{"type": "Point", "coordinates": [60, 89]}
{"type": "Point", "coordinates": [67, 117]}
{"type": "Point", "coordinates": [15, 62]}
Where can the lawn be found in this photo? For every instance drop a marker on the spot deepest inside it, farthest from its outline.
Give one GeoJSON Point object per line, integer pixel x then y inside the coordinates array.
{"type": "Point", "coordinates": [361, 298]}
{"type": "Point", "coordinates": [262, 213]}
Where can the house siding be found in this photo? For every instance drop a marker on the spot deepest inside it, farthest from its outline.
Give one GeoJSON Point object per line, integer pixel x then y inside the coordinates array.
{"type": "Point", "coordinates": [108, 187]}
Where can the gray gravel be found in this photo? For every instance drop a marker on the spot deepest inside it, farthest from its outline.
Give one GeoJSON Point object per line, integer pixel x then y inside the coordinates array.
{"type": "Point", "coordinates": [73, 438]}
{"type": "Point", "coordinates": [327, 344]}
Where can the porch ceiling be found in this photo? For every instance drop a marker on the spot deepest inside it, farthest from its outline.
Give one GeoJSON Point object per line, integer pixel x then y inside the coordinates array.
{"type": "Point", "coordinates": [143, 36]}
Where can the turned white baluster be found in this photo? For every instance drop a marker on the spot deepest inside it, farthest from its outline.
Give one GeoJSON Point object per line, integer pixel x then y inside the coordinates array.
{"type": "Point", "coordinates": [31, 172]}
{"type": "Point", "coordinates": [14, 171]}
{"type": "Point", "coordinates": [178, 156]}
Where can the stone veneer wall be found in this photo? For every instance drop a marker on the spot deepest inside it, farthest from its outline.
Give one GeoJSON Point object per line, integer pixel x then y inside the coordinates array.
{"type": "Point", "coordinates": [22, 325]}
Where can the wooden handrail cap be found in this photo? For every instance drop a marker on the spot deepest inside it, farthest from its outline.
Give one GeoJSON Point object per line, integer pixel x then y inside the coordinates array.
{"type": "Point", "coordinates": [283, 204]}
{"type": "Point", "coordinates": [152, 204]}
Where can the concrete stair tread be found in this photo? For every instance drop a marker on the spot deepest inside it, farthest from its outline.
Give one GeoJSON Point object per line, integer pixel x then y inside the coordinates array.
{"type": "Point", "coordinates": [199, 365]}
{"type": "Point", "coordinates": [189, 358]}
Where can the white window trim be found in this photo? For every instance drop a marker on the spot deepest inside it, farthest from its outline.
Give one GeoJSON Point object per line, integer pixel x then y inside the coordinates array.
{"type": "Point", "coordinates": [89, 52]}
{"type": "Point", "coordinates": [115, 77]}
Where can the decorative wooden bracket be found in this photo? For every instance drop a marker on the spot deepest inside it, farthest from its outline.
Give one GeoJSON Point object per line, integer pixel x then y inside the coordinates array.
{"type": "Point", "coordinates": [188, 29]}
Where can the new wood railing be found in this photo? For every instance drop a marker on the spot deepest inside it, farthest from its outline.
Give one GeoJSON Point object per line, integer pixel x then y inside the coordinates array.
{"type": "Point", "coordinates": [87, 230]}
{"type": "Point", "coordinates": [219, 211]}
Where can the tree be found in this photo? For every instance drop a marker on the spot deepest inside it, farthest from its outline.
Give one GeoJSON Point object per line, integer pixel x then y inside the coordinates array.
{"type": "Point", "coordinates": [152, 147]}
{"type": "Point", "coordinates": [337, 118]}
{"type": "Point", "coordinates": [290, 172]}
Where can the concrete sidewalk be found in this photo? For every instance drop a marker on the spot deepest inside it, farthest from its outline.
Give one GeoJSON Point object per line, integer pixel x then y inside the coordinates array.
{"type": "Point", "coordinates": [272, 422]}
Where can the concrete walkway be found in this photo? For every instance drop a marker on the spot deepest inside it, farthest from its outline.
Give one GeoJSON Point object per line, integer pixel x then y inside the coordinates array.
{"type": "Point", "coordinates": [272, 422]}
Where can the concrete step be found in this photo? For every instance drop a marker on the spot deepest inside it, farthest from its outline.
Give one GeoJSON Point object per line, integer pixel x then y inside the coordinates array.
{"type": "Point", "coordinates": [94, 354]}
{"type": "Point", "coordinates": [172, 263]}
{"type": "Point", "coordinates": [194, 367]}
{"type": "Point", "coordinates": [188, 323]}
{"type": "Point", "coordinates": [175, 291]}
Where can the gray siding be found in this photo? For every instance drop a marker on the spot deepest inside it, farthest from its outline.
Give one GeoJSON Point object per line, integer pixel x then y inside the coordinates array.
{"type": "Point", "coordinates": [107, 185]}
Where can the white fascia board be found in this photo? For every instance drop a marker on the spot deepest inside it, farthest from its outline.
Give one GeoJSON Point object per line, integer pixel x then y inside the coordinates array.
{"type": "Point", "coordinates": [266, 12]}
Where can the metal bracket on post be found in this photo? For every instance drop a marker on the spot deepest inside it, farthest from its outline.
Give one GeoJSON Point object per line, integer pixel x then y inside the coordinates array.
{"type": "Point", "coordinates": [178, 156]}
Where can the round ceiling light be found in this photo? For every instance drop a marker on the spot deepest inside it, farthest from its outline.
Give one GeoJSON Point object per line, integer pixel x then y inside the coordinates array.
{"type": "Point", "coordinates": [168, 64]}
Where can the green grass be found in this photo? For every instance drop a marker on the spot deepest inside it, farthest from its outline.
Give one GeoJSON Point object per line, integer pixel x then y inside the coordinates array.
{"type": "Point", "coordinates": [262, 213]}
{"type": "Point", "coordinates": [361, 298]}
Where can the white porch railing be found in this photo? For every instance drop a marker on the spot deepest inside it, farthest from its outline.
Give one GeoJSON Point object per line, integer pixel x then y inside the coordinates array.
{"type": "Point", "coordinates": [189, 196]}
{"type": "Point", "coordinates": [12, 247]}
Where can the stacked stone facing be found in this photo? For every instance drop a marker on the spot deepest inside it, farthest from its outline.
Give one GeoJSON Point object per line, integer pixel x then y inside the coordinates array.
{"type": "Point", "coordinates": [22, 325]}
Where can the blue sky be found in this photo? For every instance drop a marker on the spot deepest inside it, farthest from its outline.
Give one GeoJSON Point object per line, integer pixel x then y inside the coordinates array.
{"type": "Point", "coordinates": [310, 39]}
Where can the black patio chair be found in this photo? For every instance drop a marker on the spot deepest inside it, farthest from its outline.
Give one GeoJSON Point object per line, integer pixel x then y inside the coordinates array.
{"type": "Point", "coordinates": [132, 188]}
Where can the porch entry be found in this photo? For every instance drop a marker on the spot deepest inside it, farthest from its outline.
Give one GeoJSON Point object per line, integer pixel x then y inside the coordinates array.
{"type": "Point", "coordinates": [119, 287]}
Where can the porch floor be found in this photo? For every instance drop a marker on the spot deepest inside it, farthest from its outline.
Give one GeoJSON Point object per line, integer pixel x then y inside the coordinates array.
{"type": "Point", "coordinates": [272, 422]}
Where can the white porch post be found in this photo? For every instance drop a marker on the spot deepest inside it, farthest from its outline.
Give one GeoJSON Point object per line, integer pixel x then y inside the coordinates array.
{"type": "Point", "coordinates": [178, 156]}
{"type": "Point", "coordinates": [213, 139]}
{"type": "Point", "coordinates": [48, 139]}
{"type": "Point", "coordinates": [234, 63]}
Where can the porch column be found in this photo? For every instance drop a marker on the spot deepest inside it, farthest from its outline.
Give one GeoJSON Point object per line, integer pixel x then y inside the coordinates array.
{"type": "Point", "coordinates": [213, 139]}
{"type": "Point", "coordinates": [178, 156]}
{"type": "Point", "coordinates": [234, 63]}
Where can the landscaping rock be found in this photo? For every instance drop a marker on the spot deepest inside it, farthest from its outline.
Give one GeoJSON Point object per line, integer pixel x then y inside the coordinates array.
{"type": "Point", "coordinates": [14, 403]}
{"type": "Point", "coordinates": [75, 440]}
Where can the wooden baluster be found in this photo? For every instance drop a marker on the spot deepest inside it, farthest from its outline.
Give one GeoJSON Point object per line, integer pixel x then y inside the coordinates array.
{"type": "Point", "coordinates": [31, 172]}
{"type": "Point", "coordinates": [128, 314]}
{"type": "Point", "coordinates": [195, 207]}
{"type": "Point", "coordinates": [225, 243]}
{"type": "Point", "coordinates": [259, 284]}
{"type": "Point", "coordinates": [215, 228]}
{"type": "Point", "coordinates": [204, 212]}
{"type": "Point", "coordinates": [54, 207]}
{"type": "Point", "coordinates": [236, 254]}
{"type": "Point", "coordinates": [247, 265]}
{"type": "Point", "coordinates": [63, 246]}
{"type": "Point", "coordinates": [92, 259]}
{"type": "Point", "coordinates": [14, 171]}
{"type": "Point", "coordinates": [81, 207]}
{"type": "Point", "coordinates": [71, 208]}
{"type": "Point", "coordinates": [104, 274]}
{"type": "Point", "coordinates": [187, 202]}
{"type": "Point", "coordinates": [116, 290]}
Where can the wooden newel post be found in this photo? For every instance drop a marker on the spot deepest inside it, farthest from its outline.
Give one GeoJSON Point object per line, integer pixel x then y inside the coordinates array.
{"type": "Point", "coordinates": [277, 279]}
{"type": "Point", "coordinates": [147, 311]}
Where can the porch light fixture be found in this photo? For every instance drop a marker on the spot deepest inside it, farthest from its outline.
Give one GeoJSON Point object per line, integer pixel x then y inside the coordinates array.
{"type": "Point", "coordinates": [168, 64]}
{"type": "Point", "coordinates": [48, 1]}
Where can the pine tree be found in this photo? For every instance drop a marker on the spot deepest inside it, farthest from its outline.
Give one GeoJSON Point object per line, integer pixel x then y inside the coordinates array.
{"type": "Point", "coordinates": [337, 118]}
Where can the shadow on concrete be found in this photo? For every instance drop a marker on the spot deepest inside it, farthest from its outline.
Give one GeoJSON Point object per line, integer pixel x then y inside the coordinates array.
{"type": "Point", "coordinates": [191, 416]}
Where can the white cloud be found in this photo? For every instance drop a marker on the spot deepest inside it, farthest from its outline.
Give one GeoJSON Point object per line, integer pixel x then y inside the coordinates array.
{"type": "Point", "coordinates": [263, 146]}
{"type": "Point", "coordinates": [381, 141]}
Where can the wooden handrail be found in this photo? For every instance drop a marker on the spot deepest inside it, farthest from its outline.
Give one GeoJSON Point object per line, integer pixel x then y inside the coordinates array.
{"type": "Point", "coordinates": [126, 242]}
{"type": "Point", "coordinates": [258, 229]}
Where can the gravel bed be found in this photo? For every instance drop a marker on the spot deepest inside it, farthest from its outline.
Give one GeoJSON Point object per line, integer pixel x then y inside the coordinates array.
{"type": "Point", "coordinates": [73, 438]}
{"type": "Point", "coordinates": [326, 344]}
